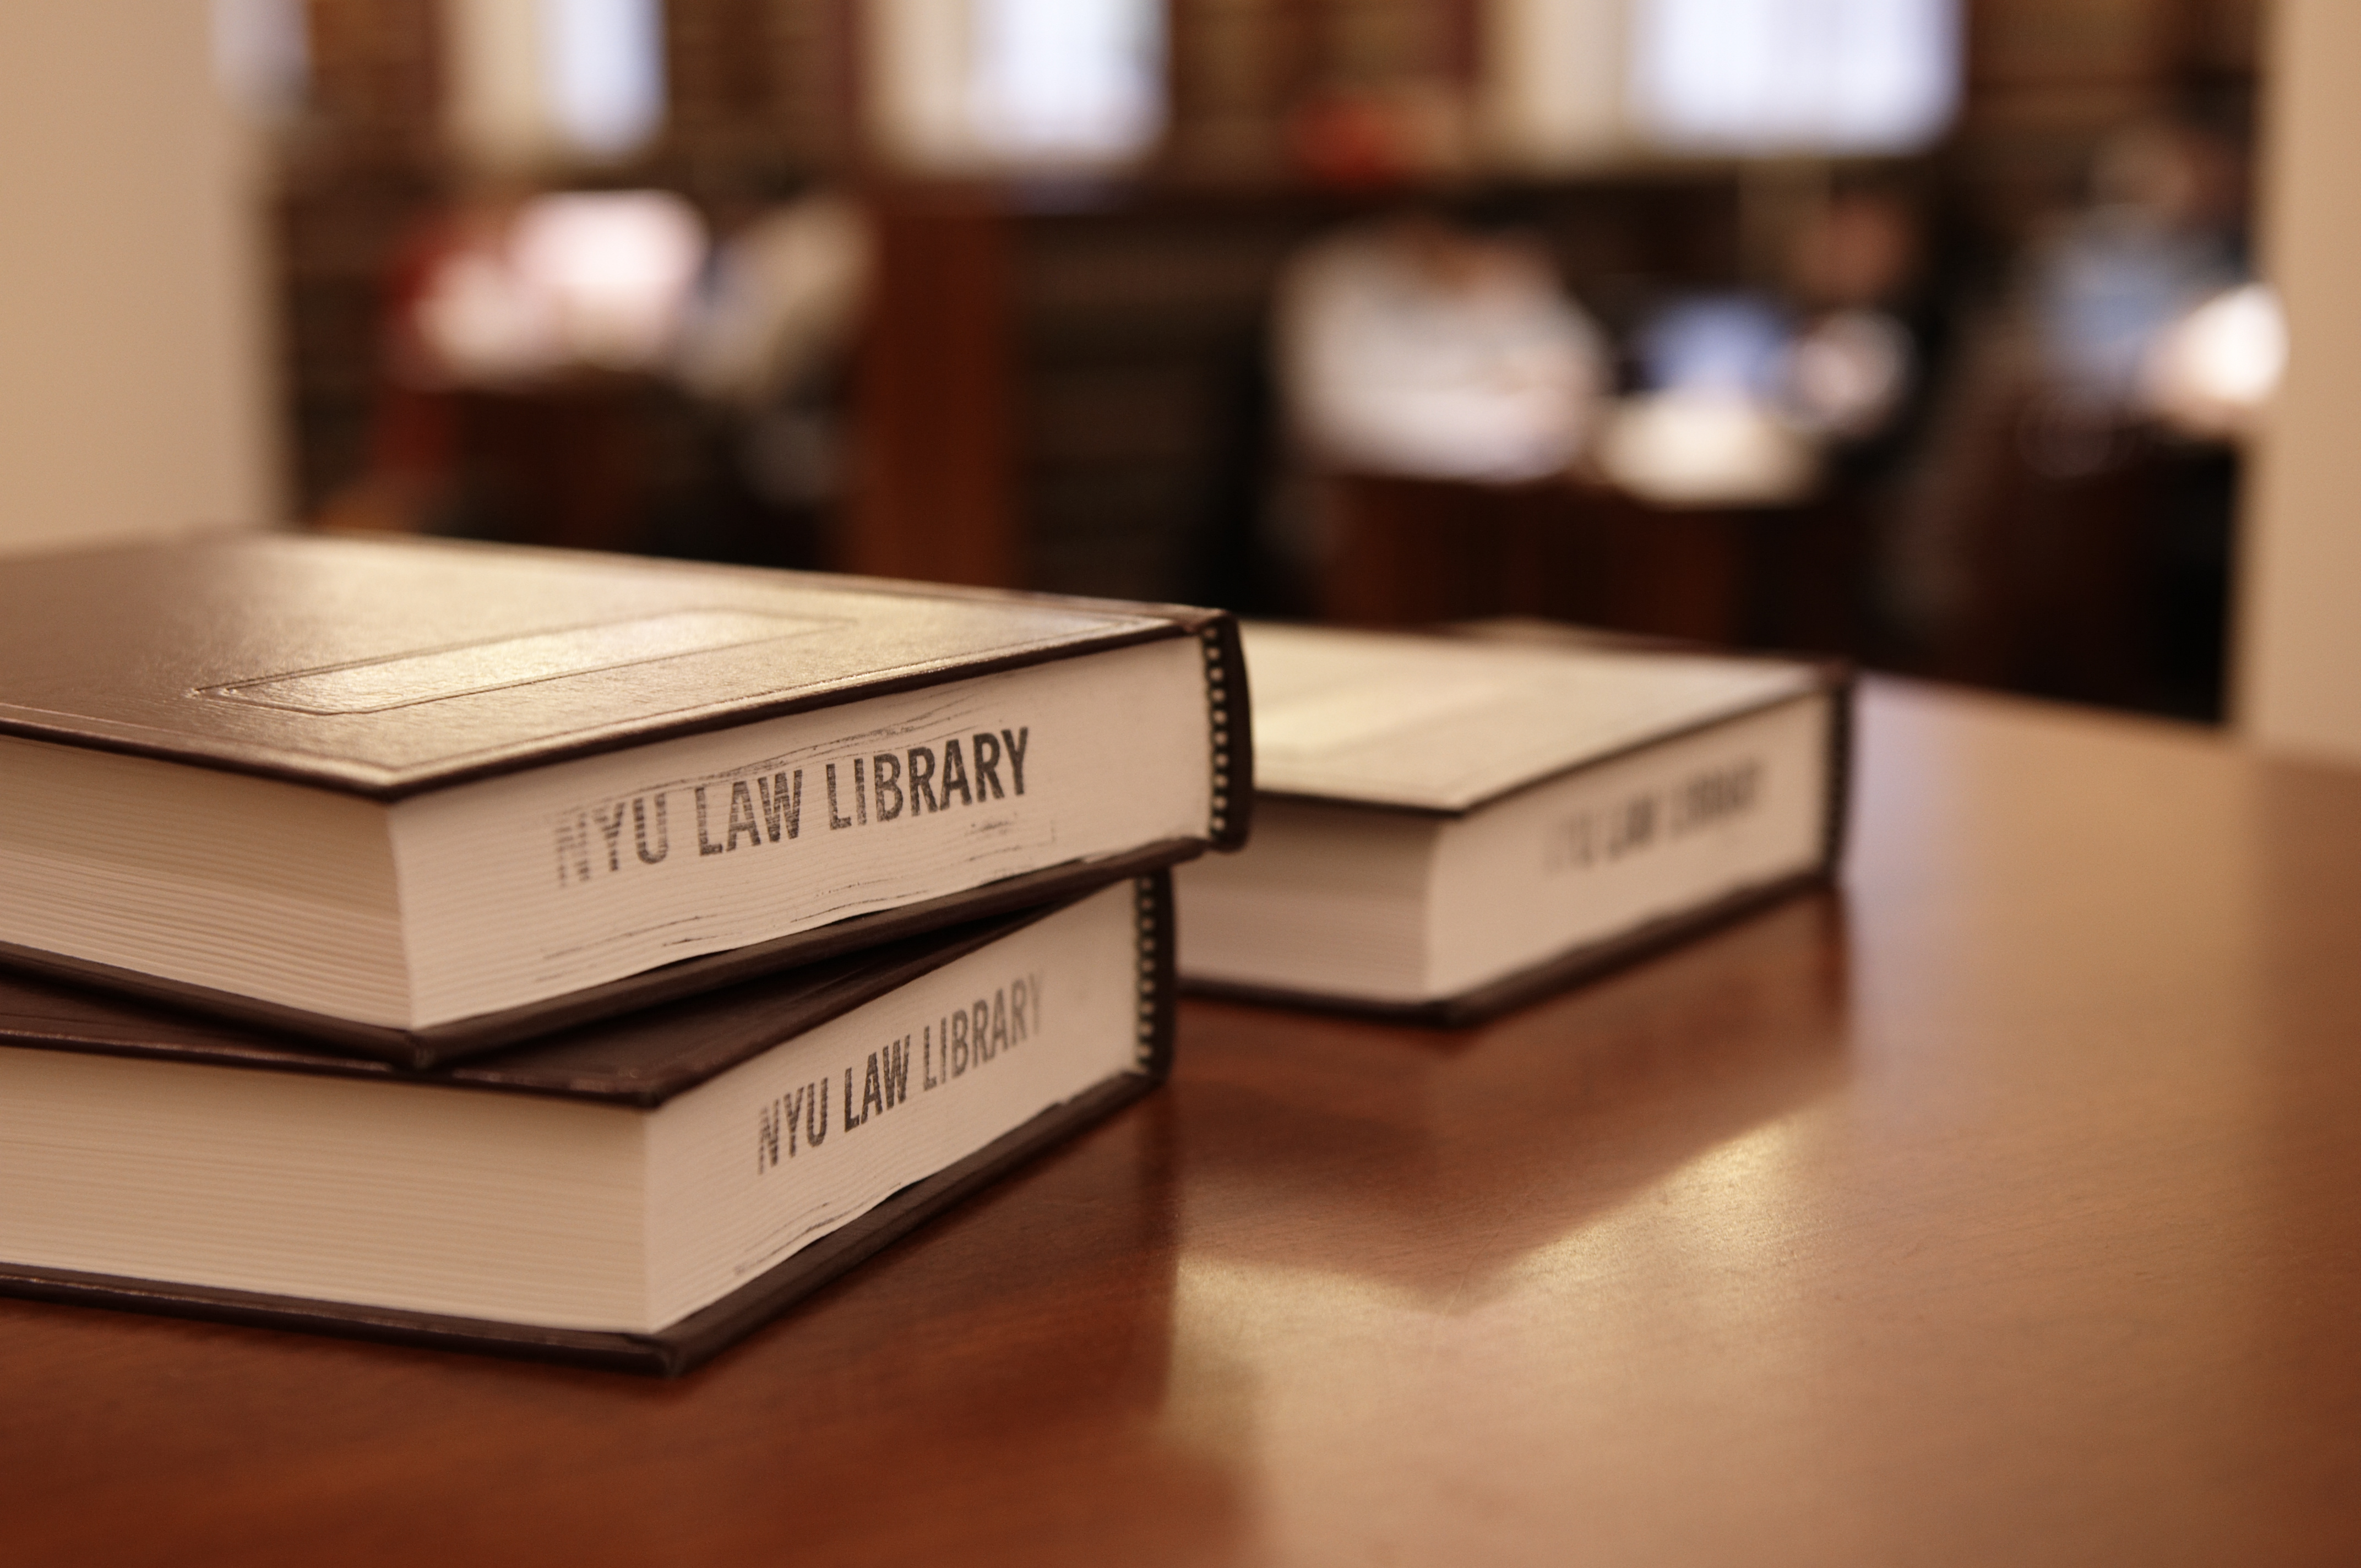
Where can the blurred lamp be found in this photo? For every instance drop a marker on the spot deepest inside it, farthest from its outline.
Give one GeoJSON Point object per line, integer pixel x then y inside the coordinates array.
{"type": "Point", "coordinates": [2212, 373]}
{"type": "Point", "coordinates": [1706, 447]}
{"type": "Point", "coordinates": [1849, 372]}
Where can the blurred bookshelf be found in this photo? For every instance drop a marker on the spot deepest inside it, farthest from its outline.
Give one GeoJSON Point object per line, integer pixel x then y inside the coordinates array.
{"type": "Point", "coordinates": [1136, 416]}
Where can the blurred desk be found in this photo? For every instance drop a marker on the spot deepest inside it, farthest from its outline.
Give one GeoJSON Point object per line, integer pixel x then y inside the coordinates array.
{"type": "Point", "coordinates": [2006, 1208]}
{"type": "Point", "coordinates": [1413, 552]}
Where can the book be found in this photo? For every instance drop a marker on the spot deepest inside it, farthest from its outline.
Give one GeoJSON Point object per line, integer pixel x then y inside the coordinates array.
{"type": "Point", "coordinates": [418, 799]}
{"type": "Point", "coordinates": [636, 1194]}
{"type": "Point", "coordinates": [1449, 826]}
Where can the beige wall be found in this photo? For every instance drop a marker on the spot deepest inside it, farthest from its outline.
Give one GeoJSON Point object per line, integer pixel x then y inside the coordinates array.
{"type": "Point", "coordinates": [132, 396]}
{"type": "Point", "coordinates": [2299, 665]}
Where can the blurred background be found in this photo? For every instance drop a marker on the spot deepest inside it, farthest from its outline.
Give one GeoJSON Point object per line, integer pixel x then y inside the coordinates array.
{"type": "Point", "coordinates": [1929, 333]}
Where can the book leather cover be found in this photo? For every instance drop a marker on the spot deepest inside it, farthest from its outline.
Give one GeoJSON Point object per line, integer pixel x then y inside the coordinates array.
{"type": "Point", "coordinates": [386, 668]}
{"type": "Point", "coordinates": [640, 1061]}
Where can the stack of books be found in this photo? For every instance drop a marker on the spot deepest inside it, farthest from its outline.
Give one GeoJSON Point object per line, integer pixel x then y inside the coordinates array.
{"type": "Point", "coordinates": [584, 958]}
{"type": "Point", "coordinates": [558, 954]}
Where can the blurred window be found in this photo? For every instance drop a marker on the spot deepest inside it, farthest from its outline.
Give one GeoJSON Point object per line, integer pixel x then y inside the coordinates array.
{"type": "Point", "coordinates": [1070, 77]}
{"type": "Point", "coordinates": [262, 55]}
{"type": "Point", "coordinates": [1554, 89]}
{"type": "Point", "coordinates": [1016, 84]}
{"type": "Point", "coordinates": [542, 81]}
{"type": "Point", "coordinates": [1767, 76]}
{"type": "Point", "coordinates": [604, 62]}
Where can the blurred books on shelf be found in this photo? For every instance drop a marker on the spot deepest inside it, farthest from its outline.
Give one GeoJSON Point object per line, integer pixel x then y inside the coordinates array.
{"type": "Point", "coordinates": [1447, 826]}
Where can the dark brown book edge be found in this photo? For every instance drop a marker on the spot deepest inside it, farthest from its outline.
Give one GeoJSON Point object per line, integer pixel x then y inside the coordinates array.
{"type": "Point", "coordinates": [1592, 958]}
{"type": "Point", "coordinates": [703, 1334]}
{"type": "Point", "coordinates": [448, 1043]}
{"type": "Point", "coordinates": [104, 1024]}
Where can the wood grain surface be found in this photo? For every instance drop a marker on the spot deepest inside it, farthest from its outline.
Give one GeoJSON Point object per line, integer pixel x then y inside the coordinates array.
{"type": "Point", "coordinates": [2004, 1208]}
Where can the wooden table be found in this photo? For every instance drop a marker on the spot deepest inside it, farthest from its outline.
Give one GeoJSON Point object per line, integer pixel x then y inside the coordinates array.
{"type": "Point", "coordinates": [2006, 1208]}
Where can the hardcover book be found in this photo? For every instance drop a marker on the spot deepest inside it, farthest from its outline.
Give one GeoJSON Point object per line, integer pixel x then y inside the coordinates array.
{"type": "Point", "coordinates": [1449, 826]}
{"type": "Point", "coordinates": [417, 799]}
{"type": "Point", "coordinates": [637, 1195]}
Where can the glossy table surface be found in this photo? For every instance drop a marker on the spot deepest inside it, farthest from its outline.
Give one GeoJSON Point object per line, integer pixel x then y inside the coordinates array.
{"type": "Point", "coordinates": [2004, 1207]}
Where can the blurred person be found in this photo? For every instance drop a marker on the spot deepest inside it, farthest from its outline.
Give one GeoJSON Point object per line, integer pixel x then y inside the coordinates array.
{"type": "Point", "coordinates": [2161, 236]}
{"type": "Point", "coordinates": [1858, 357]}
{"type": "Point", "coordinates": [588, 369]}
{"type": "Point", "coordinates": [1863, 369]}
{"type": "Point", "coordinates": [2072, 533]}
{"type": "Point", "coordinates": [557, 284]}
{"type": "Point", "coordinates": [518, 332]}
{"type": "Point", "coordinates": [1756, 399]}
{"type": "Point", "coordinates": [1431, 378]}
{"type": "Point", "coordinates": [1420, 349]}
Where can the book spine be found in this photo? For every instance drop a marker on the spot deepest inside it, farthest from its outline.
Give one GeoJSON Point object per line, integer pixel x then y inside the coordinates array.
{"type": "Point", "coordinates": [1159, 983]}
{"type": "Point", "coordinates": [1230, 720]}
{"type": "Point", "coordinates": [690, 1343]}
